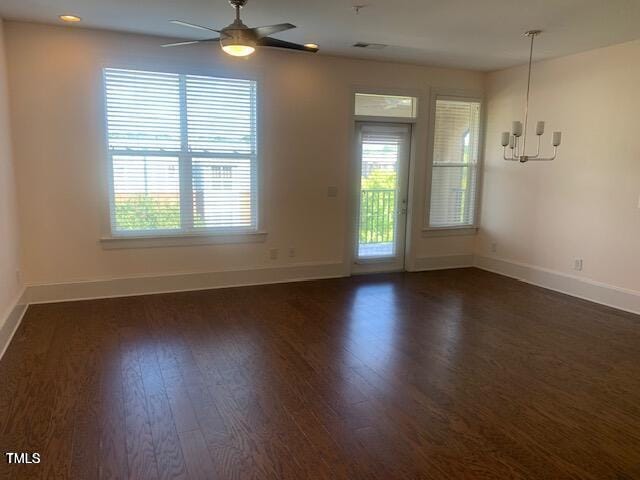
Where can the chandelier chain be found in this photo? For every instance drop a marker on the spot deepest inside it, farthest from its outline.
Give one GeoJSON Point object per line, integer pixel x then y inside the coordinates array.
{"type": "Point", "coordinates": [526, 106]}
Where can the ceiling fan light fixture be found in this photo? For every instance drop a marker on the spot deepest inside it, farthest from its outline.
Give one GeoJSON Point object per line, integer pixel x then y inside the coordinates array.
{"type": "Point", "coordinates": [238, 50]}
{"type": "Point", "coordinates": [69, 18]}
{"type": "Point", "coordinates": [238, 40]}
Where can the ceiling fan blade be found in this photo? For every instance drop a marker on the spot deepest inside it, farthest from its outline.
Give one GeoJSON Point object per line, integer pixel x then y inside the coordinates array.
{"type": "Point", "coordinates": [190, 42]}
{"type": "Point", "coordinates": [274, 42]}
{"type": "Point", "coordinates": [193, 25]}
{"type": "Point", "coordinates": [271, 29]}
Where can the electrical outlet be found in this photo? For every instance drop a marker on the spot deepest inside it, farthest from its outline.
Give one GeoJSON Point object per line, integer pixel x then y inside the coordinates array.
{"type": "Point", "coordinates": [273, 254]}
{"type": "Point", "coordinates": [292, 252]}
{"type": "Point", "coordinates": [494, 247]}
{"type": "Point", "coordinates": [577, 264]}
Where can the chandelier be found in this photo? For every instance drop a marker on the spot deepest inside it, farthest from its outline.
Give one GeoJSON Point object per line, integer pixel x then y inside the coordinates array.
{"type": "Point", "coordinates": [516, 140]}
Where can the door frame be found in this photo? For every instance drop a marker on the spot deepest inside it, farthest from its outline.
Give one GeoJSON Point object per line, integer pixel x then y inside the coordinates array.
{"type": "Point", "coordinates": [396, 262]}
{"type": "Point", "coordinates": [418, 151]}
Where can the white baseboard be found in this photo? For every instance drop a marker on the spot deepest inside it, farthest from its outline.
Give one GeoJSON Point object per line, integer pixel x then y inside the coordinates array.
{"type": "Point", "coordinates": [9, 325]}
{"type": "Point", "coordinates": [609, 295]}
{"type": "Point", "coordinates": [143, 285]}
{"type": "Point", "coordinates": [442, 262]}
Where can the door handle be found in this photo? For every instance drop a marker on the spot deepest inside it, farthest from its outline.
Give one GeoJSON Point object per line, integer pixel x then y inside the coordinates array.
{"type": "Point", "coordinates": [403, 208]}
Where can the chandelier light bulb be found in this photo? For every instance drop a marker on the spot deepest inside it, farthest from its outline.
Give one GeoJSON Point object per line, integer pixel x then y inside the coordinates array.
{"type": "Point", "coordinates": [516, 128]}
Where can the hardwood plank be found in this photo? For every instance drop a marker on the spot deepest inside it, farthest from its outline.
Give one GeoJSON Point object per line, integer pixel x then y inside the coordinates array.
{"type": "Point", "coordinates": [141, 458]}
{"type": "Point", "coordinates": [87, 418]}
{"type": "Point", "coordinates": [453, 374]}
{"type": "Point", "coordinates": [197, 456]}
{"type": "Point", "coordinates": [112, 459]}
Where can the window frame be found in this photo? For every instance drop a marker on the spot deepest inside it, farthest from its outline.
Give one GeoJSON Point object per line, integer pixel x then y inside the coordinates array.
{"type": "Point", "coordinates": [112, 239]}
{"type": "Point", "coordinates": [419, 95]}
{"type": "Point", "coordinates": [453, 95]}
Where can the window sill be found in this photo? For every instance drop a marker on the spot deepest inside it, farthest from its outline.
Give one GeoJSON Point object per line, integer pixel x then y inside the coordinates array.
{"type": "Point", "coordinates": [181, 240]}
{"type": "Point", "coordinates": [448, 231]}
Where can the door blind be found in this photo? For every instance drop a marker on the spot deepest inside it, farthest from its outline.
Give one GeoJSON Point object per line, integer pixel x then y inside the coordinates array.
{"type": "Point", "coordinates": [455, 163]}
{"type": "Point", "coordinates": [381, 150]}
{"type": "Point", "coordinates": [183, 152]}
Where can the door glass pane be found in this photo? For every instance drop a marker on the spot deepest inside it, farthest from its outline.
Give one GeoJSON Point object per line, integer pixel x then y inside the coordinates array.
{"type": "Point", "coordinates": [381, 151]}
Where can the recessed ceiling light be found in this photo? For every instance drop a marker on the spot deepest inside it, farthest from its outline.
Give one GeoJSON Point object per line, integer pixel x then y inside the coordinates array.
{"type": "Point", "coordinates": [69, 18]}
{"type": "Point", "coordinates": [311, 45]}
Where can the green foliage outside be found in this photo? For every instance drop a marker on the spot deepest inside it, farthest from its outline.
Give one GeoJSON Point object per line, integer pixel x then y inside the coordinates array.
{"type": "Point", "coordinates": [377, 207]}
{"type": "Point", "coordinates": [380, 179]}
{"type": "Point", "coordinates": [147, 212]}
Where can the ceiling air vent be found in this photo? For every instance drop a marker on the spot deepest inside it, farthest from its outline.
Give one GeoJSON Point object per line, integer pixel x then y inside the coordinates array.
{"type": "Point", "coordinates": [370, 46]}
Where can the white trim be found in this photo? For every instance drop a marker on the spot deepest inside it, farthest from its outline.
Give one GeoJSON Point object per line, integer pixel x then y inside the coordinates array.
{"type": "Point", "coordinates": [584, 288]}
{"type": "Point", "coordinates": [10, 323]}
{"type": "Point", "coordinates": [443, 262]}
{"type": "Point", "coordinates": [180, 240]}
{"type": "Point", "coordinates": [181, 282]}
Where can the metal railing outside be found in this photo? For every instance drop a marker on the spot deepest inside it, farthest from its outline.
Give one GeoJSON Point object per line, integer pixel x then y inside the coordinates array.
{"type": "Point", "coordinates": [377, 216]}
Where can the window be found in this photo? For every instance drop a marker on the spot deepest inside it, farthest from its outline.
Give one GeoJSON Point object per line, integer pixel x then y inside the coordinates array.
{"type": "Point", "coordinates": [370, 105]}
{"type": "Point", "coordinates": [455, 163]}
{"type": "Point", "coordinates": [182, 151]}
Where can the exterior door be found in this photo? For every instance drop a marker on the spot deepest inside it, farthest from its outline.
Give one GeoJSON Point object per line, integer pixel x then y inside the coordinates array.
{"type": "Point", "coordinates": [383, 152]}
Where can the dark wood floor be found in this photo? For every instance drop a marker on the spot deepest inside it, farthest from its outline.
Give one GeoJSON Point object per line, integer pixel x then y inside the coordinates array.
{"type": "Point", "coordinates": [456, 374]}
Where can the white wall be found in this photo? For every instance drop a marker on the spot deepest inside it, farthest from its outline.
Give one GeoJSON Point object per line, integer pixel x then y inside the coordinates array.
{"type": "Point", "coordinates": [57, 119]}
{"type": "Point", "coordinates": [586, 203]}
{"type": "Point", "coordinates": [10, 286]}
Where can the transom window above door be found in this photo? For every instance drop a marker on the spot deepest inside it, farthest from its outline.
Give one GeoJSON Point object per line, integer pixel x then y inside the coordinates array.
{"type": "Point", "coordinates": [387, 106]}
{"type": "Point", "coordinates": [182, 151]}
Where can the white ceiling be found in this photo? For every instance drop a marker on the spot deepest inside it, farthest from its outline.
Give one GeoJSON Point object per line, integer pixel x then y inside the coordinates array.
{"type": "Point", "coordinates": [475, 34]}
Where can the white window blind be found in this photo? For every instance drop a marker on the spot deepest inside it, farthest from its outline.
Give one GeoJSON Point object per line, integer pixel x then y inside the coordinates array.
{"type": "Point", "coordinates": [183, 152]}
{"type": "Point", "coordinates": [454, 180]}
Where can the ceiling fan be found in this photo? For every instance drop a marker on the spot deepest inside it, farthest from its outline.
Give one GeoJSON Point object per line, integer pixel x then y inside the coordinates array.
{"type": "Point", "coordinates": [240, 41]}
